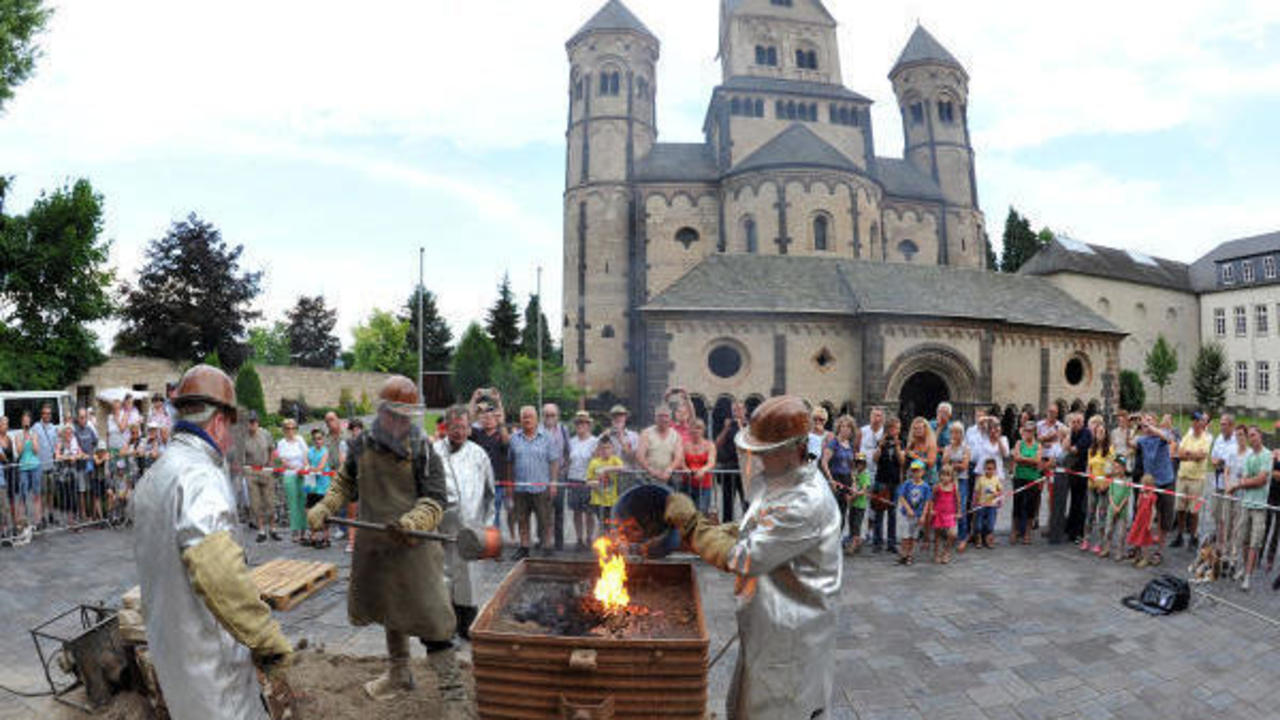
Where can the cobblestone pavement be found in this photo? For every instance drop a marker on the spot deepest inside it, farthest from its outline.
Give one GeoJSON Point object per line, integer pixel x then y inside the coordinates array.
{"type": "Point", "coordinates": [1024, 633]}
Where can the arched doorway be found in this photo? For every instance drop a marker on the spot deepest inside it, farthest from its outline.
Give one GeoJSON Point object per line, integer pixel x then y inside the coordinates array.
{"type": "Point", "coordinates": [921, 394]}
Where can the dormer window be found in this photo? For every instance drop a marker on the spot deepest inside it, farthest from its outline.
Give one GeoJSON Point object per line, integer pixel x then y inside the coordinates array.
{"type": "Point", "coordinates": [1269, 268]}
{"type": "Point", "coordinates": [1246, 271]}
{"type": "Point", "coordinates": [917, 113]}
{"type": "Point", "coordinates": [1228, 274]}
{"type": "Point", "coordinates": [946, 111]}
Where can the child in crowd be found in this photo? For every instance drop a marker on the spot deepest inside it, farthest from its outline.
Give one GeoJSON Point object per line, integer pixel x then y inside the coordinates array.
{"type": "Point", "coordinates": [1119, 497]}
{"type": "Point", "coordinates": [987, 500]}
{"type": "Point", "coordinates": [914, 501]}
{"type": "Point", "coordinates": [316, 483]}
{"type": "Point", "coordinates": [101, 480]}
{"type": "Point", "coordinates": [946, 506]}
{"type": "Point", "coordinates": [1102, 471]}
{"type": "Point", "coordinates": [1140, 536]}
{"type": "Point", "coordinates": [602, 478]}
{"type": "Point", "coordinates": [858, 501]}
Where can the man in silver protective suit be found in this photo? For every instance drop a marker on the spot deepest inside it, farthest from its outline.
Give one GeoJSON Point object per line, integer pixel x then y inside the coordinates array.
{"type": "Point", "coordinates": [469, 484]}
{"type": "Point", "coordinates": [207, 627]}
{"type": "Point", "coordinates": [786, 555]}
{"type": "Point", "coordinates": [397, 581]}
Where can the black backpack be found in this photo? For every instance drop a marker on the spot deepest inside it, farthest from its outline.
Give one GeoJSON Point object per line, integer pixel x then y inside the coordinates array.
{"type": "Point", "coordinates": [1162, 596]}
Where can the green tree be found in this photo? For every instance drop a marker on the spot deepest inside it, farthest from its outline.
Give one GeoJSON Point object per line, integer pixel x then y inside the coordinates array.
{"type": "Point", "coordinates": [503, 321]}
{"type": "Point", "coordinates": [517, 379]}
{"type": "Point", "coordinates": [529, 335]}
{"type": "Point", "coordinates": [311, 339]}
{"type": "Point", "coordinates": [473, 361]}
{"type": "Point", "coordinates": [1133, 396]}
{"type": "Point", "coordinates": [1020, 242]}
{"type": "Point", "coordinates": [20, 22]}
{"type": "Point", "coordinates": [382, 345]}
{"type": "Point", "coordinates": [993, 263]}
{"type": "Point", "coordinates": [436, 335]}
{"type": "Point", "coordinates": [1160, 365]}
{"type": "Point", "coordinates": [53, 283]}
{"type": "Point", "coordinates": [249, 390]}
{"type": "Point", "coordinates": [269, 344]}
{"type": "Point", "coordinates": [191, 298]}
{"type": "Point", "coordinates": [1209, 377]}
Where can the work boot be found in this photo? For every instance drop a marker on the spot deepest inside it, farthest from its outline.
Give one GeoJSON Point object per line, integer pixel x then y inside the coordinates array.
{"type": "Point", "coordinates": [465, 614]}
{"type": "Point", "coordinates": [1177, 541]}
{"type": "Point", "coordinates": [390, 684]}
{"type": "Point", "coordinates": [448, 677]}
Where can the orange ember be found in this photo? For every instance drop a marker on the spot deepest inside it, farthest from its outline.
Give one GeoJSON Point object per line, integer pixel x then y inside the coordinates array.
{"type": "Point", "coordinates": [611, 588]}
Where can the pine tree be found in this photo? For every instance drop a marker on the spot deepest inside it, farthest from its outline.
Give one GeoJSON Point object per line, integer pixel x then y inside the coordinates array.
{"type": "Point", "coordinates": [473, 362]}
{"type": "Point", "coordinates": [1132, 395]}
{"type": "Point", "coordinates": [249, 390]}
{"type": "Point", "coordinates": [1020, 242]}
{"type": "Point", "coordinates": [311, 339]}
{"type": "Point", "coordinates": [993, 263]}
{"type": "Point", "coordinates": [436, 335]}
{"type": "Point", "coordinates": [1209, 377]}
{"type": "Point", "coordinates": [529, 336]}
{"type": "Point", "coordinates": [1161, 364]}
{"type": "Point", "coordinates": [503, 321]}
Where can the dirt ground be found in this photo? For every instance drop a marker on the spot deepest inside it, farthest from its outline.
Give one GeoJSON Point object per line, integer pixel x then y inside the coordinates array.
{"type": "Point", "coordinates": [329, 687]}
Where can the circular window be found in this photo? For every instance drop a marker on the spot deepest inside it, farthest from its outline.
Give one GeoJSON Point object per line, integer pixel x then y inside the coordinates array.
{"type": "Point", "coordinates": [724, 361]}
{"type": "Point", "coordinates": [1075, 371]}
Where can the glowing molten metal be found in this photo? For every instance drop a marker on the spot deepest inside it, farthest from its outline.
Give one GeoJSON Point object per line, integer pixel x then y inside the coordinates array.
{"type": "Point", "coordinates": [611, 588]}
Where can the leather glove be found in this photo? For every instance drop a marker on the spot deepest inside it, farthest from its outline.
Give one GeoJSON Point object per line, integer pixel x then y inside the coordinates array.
{"type": "Point", "coordinates": [424, 517]}
{"type": "Point", "coordinates": [330, 504]}
{"type": "Point", "coordinates": [679, 510]}
{"type": "Point", "coordinates": [216, 569]}
{"type": "Point", "coordinates": [710, 541]}
{"type": "Point", "coordinates": [397, 532]}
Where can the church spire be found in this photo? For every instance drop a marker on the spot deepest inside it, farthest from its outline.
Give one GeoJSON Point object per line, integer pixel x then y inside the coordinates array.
{"type": "Point", "coordinates": [613, 16]}
{"type": "Point", "coordinates": [924, 48]}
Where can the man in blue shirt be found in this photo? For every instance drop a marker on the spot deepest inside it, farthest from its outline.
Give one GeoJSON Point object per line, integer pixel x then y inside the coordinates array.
{"type": "Point", "coordinates": [1153, 443]}
{"type": "Point", "coordinates": [533, 464]}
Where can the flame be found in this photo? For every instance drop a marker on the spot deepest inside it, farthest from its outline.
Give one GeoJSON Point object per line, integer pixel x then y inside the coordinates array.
{"type": "Point", "coordinates": [611, 588]}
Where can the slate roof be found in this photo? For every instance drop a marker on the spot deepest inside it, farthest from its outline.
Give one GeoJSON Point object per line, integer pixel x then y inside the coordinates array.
{"type": "Point", "coordinates": [819, 285]}
{"type": "Point", "coordinates": [901, 179]}
{"type": "Point", "coordinates": [613, 16]}
{"type": "Point", "coordinates": [797, 146]}
{"type": "Point", "coordinates": [1204, 272]}
{"type": "Point", "coordinates": [677, 162]}
{"type": "Point", "coordinates": [781, 86]}
{"type": "Point", "coordinates": [1105, 262]}
{"type": "Point", "coordinates": [923, 47]}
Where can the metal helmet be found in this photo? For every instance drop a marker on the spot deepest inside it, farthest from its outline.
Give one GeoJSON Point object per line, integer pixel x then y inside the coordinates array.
{"type": "Point", "coordinates": [399, 395]}
{"type": "Point", "coordinates": [779, 423]}
{"type": "Point", "coordinates": [209, 385]}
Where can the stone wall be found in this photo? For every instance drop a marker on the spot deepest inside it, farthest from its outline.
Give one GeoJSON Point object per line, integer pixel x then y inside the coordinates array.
{"type": "Point", "coordinates": [149, 375]}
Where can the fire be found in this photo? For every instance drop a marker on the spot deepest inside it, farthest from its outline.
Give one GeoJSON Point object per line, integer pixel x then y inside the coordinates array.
{"type": "Point", "coordinates": [611, 588]}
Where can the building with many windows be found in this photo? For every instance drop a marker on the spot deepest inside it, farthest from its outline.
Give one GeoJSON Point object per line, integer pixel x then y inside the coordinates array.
{"type": "Point", "coordinates": [780, 254]}
{"type": "Point", "coordinates": [1230, 296]}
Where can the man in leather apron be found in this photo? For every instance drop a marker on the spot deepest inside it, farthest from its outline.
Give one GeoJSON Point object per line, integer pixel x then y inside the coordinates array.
{"type": "Point", "coordinates": [469, 483]}
{"type": "Point", "coordinates": [398, 581]}
{"type": "Point", "coordinates": [208, 629]}
{"type": "Point", "coordinates": [785, 554]}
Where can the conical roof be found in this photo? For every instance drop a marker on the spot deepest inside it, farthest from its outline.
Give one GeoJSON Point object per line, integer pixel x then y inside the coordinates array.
{"type": "Point", "coordinates": [613, 16]}
{"type": "Point", "coordinates": [925, 48]}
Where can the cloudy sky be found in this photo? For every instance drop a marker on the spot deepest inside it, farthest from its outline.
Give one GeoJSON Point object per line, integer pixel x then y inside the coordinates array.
{"type": "Point", "coordinates": [335, 139]}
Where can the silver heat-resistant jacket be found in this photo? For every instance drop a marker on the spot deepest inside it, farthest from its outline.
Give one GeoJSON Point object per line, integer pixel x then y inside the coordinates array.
{"type": "Point", "coordinates": [204, 673]}
{"type": "Point", "coordinates": [788, 564]}
{"type": "Point", "coordinates": [468, 479]}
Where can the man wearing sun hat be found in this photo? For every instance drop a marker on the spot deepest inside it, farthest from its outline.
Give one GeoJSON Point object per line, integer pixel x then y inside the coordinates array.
{"type": "Point", "coordinates": [785, 554]}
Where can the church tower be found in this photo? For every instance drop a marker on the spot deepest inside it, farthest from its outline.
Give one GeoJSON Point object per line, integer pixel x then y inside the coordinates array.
{"type": "Point", "coordinates": [611, 123]}
{"type": "Point", "coordinates": [779, 39]}
{"type": "Point", "coordinates": [932, 88]}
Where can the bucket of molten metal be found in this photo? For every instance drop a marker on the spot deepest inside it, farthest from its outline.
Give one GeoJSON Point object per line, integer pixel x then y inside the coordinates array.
{"type": "Point", "coordinates": [601, 639]}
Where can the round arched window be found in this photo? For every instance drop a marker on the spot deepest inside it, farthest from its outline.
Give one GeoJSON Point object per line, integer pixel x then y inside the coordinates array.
{"type": "Point", "coordinates": [908, 249]}
{"type": "Point", "coordinates": [686, 236]}
{"type": "Point", "coordinates": [724, 361]}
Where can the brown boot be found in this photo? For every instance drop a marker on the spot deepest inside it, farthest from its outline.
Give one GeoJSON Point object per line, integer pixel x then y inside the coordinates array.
{"type": "Point", "coordinates": [390, 684]}
{"type": "Point", "coordinates": [444, 664]}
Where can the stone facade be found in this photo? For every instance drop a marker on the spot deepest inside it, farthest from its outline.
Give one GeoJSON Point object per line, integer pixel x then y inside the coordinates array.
{"type": "Point", "coordinates": [1244, 321]}
{"type": "Point", "coordinates": [787, 167]}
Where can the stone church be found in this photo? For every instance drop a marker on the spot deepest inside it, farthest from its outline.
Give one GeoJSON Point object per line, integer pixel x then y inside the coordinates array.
{"type": "Point", "coordinates": [781, 255]}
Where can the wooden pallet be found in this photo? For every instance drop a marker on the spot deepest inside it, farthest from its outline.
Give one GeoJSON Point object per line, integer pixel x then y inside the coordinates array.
{"type": "Point", "coordinates": [285, 583]}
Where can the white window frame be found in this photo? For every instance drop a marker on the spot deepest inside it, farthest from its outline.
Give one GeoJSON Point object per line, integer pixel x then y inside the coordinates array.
{"type": "Point", "coordinates": [1262, 319]}
{"type": "Point", "coordinates": [1269, 267]}
{"type": "Point", "coordinates": [1220, 322]}
{"type": "Point", "coordinates": [1246, 271]}
{"type": "Point", "coordinates": [1242, 377]}
{"type": "Point", "coordinates": [1264, 377]}
{"type": "Point", "coordinates": [1241, 315]}
{"type": "Point", "coordinates": [1228, 274]}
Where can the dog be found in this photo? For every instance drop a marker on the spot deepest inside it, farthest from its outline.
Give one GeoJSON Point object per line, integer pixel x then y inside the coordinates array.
{"type": "Point", "coordinates": [1207, 566]}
